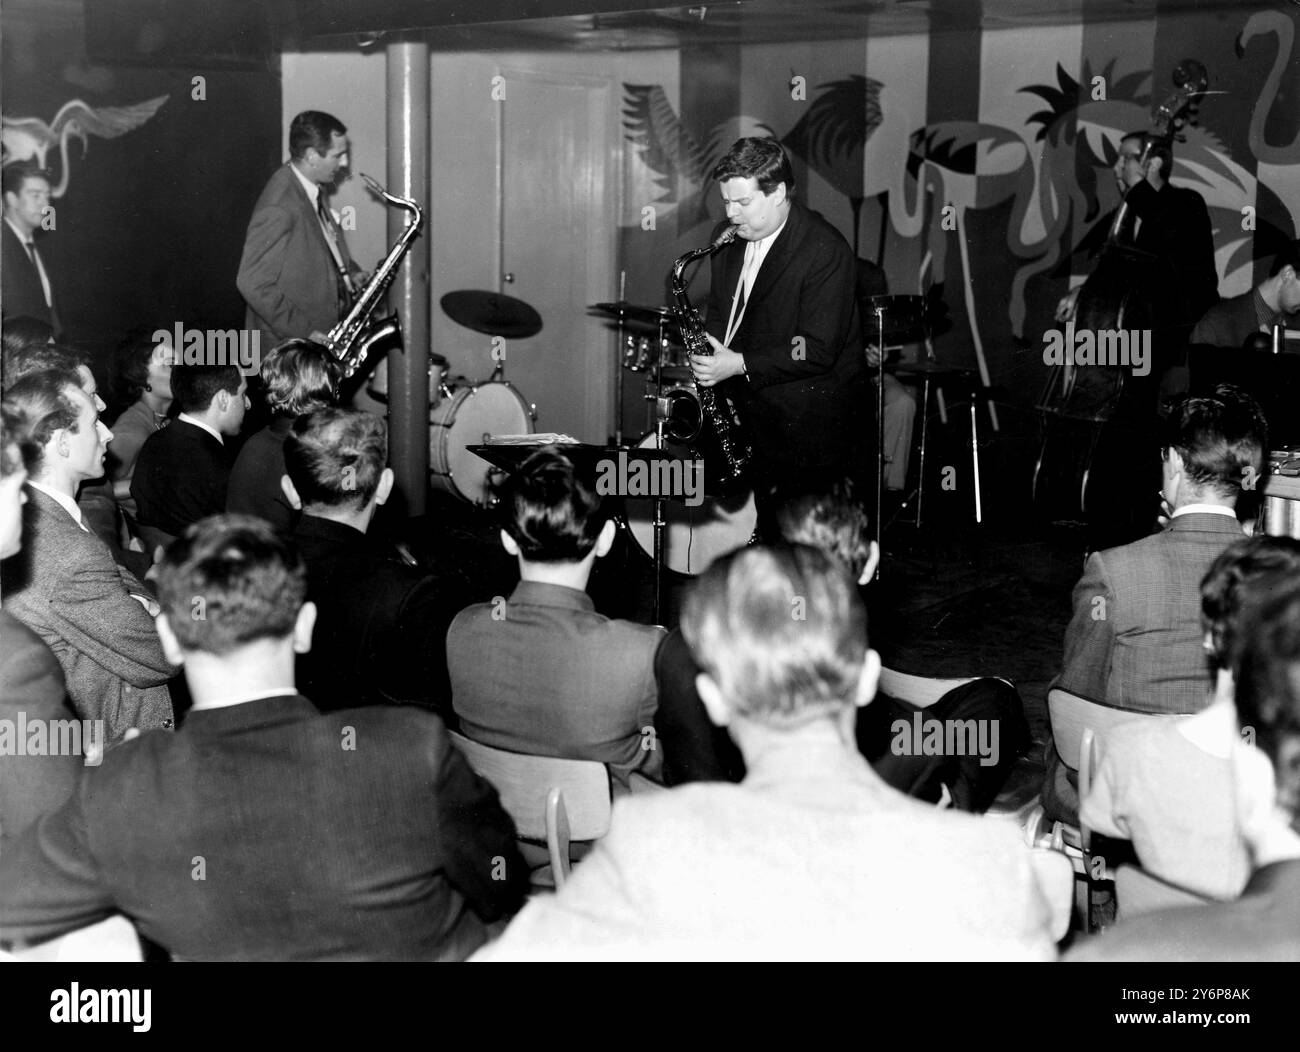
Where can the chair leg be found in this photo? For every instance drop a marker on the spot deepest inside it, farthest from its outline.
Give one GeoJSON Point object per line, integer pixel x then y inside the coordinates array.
{"type": "Point", "coordinates": [557, 836]}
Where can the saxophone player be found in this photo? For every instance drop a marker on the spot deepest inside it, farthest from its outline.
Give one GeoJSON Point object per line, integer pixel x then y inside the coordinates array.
{"type": "Point", "coordinates": [296, 274]}
{"type": "Point", "coordinates": [782, 320]}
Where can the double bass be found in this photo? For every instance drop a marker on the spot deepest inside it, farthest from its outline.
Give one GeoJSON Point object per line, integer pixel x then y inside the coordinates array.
{"type": "Point", "coordinates": [1119, 295]}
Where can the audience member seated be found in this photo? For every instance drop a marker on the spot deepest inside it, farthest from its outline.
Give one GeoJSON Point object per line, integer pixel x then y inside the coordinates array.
{"type": "Point", "coordinates": [1167, 786]}
{"type": "Point", "coordinates": [18, 338]}
{"type": "Point", "coordinates": [1135, 640]}
{"type": "Point", "coordinates": [542, 672]}
{"type": "Point", "coordinates": [381, 626]}
{"type": "Point", "coordinates": [696, 749]}
{"type": "Point", "coordinates": [64, 585]}
{"type": "Point", "coordinates": [812, 856]}
{"type": "Point", "coordinates": [263, 830]}
{"type": "Point", "coordinates": [32, 783]}
{"type": "Point", "coordinates": [1231, 322]}
{"type": "Point", "coordinates": [300, 377]}
{"type": "Point", "coordinates": [143, 397]}
{"type": "Point", "coordinates": [1264, 923]}
{"type": "Point", "coordinates": [182, 471]}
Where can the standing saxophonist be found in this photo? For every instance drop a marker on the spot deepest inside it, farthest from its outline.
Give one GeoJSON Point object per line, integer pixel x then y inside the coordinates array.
{"type": "Point", "coordinates": [783, 324]}
{"type": "Point", "coordinates": [296, 274]}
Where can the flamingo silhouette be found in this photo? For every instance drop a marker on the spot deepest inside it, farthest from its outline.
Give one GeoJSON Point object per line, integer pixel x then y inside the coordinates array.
{"type": "Point", "coordinates": [30, 138]}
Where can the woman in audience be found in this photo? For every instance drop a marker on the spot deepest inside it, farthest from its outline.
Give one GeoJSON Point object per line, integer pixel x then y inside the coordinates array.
{"type": "Point", "coordinates": [143, 389]}
{"type": "Point", "coordinates": [300, 377]}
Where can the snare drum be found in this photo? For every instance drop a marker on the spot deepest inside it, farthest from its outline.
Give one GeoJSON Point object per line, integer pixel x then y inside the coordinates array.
{"type": "Point", "coordinates": [465, 419]}
{"type": "Point", "coordinates": [693, 536]}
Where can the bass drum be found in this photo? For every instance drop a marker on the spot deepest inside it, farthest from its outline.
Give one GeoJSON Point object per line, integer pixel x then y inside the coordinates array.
{"type": "Point", "coordinates": [693, 536]}
{"type": "Point", "coordinates": [466, 418]}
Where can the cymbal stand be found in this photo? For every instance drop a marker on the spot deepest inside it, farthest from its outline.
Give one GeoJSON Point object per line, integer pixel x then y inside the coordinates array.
{"type": "Point", "coordinates": [618, 365]}
{"type": "Point", "coordinates": [880, 430]}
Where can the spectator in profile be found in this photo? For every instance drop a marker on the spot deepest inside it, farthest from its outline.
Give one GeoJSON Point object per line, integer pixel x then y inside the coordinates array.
{"type": "Point", "coordinates": [299, 377]}
{"type": "Point", "coordinates": [352, 836]}
{"type": "Point", "coordinates": [31, 681]}
{"type": "Point", "coordinates": [182, 471]}
{"type": "Point", "coordinates": [94, 614]}
{"type": "Point", "coordinates": [812, 856]}
{"type": "Point", "coordinates": [542, 672]}
{"type": "Point", "coordinates": [381, 625]}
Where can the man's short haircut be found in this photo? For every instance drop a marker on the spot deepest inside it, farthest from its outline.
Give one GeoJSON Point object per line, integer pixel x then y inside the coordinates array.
{"type": "Point", "coordinates": [1159, 148]}
{"type": "Point", "coordinates": [16, 174]}
{"type": "Point", "coordinates": [1246, 572]}
{"type": "Point", "coordinates": [551, 513]}
{"type": "Point", "coordinates": [42, 399]}
{"type": "Point", "coordinates": [763, 160]}
{"type": "Point", "coordinates": [194, 386]}
{"type": "Point", "coordinates": [23, 359]}
{"type": "Point", "coordinates": [335, 457]}
{"type": "Point", "coordinates": [300, 377]}
{"type": "Point", "coordinates": [1268, 689]}
{"type": "Point", "coordinates": [229, 580]}
{"type": "Point", "coordinates": [1222, 439]}
{"type": "Point", "coordinates": [829, 520]}
{"type": "Point", "coordinates": [1289, 256]}
{"type": "Point", "coordinates": [17, 450]}
{"type": "Point", "coordinates": [782, 631]}
{"type": "Point", "coordinates": [313, 130]}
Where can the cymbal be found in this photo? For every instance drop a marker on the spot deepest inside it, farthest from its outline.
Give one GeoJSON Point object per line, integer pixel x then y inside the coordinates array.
{"type": "Point", "coordinates": [633, 312]}
{"type": "Point", "coordinates": [904, 317]}
{"type": "Point", "coordinates": [647, 328]}
{"type": "Point", "coordinates": [492, 313]}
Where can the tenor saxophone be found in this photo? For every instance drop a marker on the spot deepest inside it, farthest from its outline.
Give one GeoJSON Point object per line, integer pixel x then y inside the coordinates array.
{"type": "Point", "coordinates": [735, 451]}
{"type": "Point", "coordinates": [351, 339]}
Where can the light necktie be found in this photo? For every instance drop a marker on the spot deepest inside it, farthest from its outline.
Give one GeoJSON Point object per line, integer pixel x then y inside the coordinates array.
{"type": "Point", "coordinates": [738, 301]}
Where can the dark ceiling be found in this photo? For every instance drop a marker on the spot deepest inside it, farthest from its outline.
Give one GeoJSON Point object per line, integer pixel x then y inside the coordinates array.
{"type": "Point", "coordinates": [167, 32]}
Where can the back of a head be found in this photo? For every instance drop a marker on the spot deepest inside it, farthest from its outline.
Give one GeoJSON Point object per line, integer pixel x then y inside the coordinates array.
{"type": "Point", "coordinates": [782, 632]}
{"type": "Point", "coordinates": [23, 357]}
{"type": "Point", "coordinates": [829, 520]}
{"type": "Point", "coordinates": [552, 514]}
{"type": "Point", "coordinates": [229, 580]}
{"type": "Point", "coordinates": [1245, 573]}
{"type": "Point", "coordinates": [1268, 688]}
{"type": "Point", "coordinates": [335, 457]}
{"type": "Point", "coordinates": [194, 386]}
{"type": "Point", "coordinates": [761, 159]}
{"type": "Point", "coordinates": [42, 399]}
{"type": "Point", "coordinates": [17, 450]}
{"type": "Point", "coordinates": [300, 377]}
{"type": "Point", "coordinates": [1222, 440]}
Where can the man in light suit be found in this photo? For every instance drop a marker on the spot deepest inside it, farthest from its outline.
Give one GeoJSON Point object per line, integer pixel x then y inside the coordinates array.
{"type": "Point", "coordinates": [1135, 639]}
{"type": "Point", "coordinates": [812, 856]}
{"type": "Point", "coordinates": [783, 324]}
{"type": "Point", "coordinates": [263, 830]}
{"type": "Point", "coordinates": [31, 682]}
{"type": "Point", "coordinates": [296, 274]}
{"type": "Point", "coordinates": [94, 614]}
{"type": "Point", "coordinates": [28, 290]}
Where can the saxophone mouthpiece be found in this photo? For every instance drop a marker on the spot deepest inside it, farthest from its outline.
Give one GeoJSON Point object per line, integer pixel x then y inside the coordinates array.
{"type": "Point", "coordinates": [727, 236]}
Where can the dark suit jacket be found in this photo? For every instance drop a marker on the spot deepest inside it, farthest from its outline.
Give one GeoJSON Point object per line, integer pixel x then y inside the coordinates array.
{"type": "Point", "coordinates": [31, 683]}
{"type": "Point", "coordinates": [1176, 229]}
{"type": "Point", "coordinates": [180, 477]}
{"type": "Point", "coordinates": [287, 274]}
{"type": "Point", "coordinates": [802, 343]}
{"type": "Point", "coordinates": [1229, 323]}
{"type": "Point", "coordinates": [381, 626]}
{"type": "Point", "coordinates": [1135, 639]}
{"type": "Point", "coordinates": [22, 295]}
{"type": "Point", "coordinates": [545, 674]}
{"type": "Point", "coordinates": [254, 487]}
{"type": "Point", "coordinates": [65, 586]}
{"type": "Point", "coordinates": [266, 831]}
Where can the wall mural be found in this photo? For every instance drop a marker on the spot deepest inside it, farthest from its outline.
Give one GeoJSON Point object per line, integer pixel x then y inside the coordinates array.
{"type": "Point", "coordinates": [1052, 177]}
